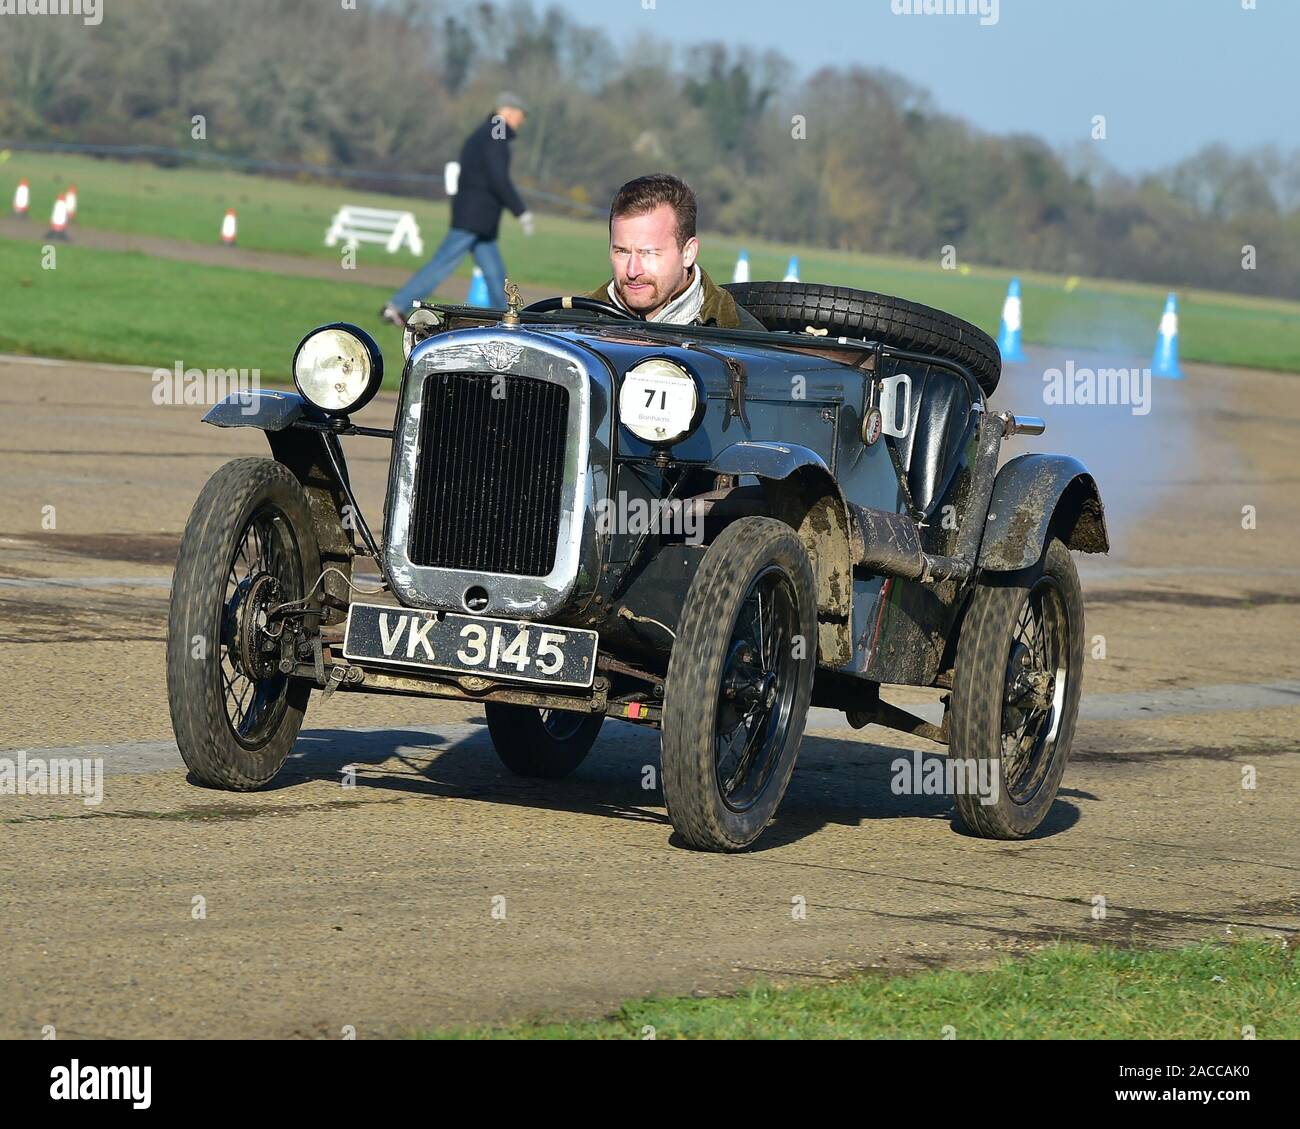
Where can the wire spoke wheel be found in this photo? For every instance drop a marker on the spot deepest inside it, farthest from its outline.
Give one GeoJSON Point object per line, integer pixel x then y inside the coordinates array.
{"type": "Point", "coordinates": [1036, 683]}
{"type": "Point", "coordinates": [262, 575]}
{"type": "Point", "coordinates": [249, 547]}
{"type": "Point", "coordinates": [757, 690]}
{"type": "Point", "coordinates": [548, 744]}
{"type": "Point", "coordinates": [1016, 686]}
{"type": "Point", "coordinates": [735, 699]}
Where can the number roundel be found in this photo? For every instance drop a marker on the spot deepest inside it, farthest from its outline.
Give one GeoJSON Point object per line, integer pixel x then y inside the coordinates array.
{"type": "Point", "coordinates": [660, 401]}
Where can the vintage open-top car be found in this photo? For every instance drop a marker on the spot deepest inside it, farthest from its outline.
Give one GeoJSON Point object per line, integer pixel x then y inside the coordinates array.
{"type": "Point", "coordinates": [703, 530]}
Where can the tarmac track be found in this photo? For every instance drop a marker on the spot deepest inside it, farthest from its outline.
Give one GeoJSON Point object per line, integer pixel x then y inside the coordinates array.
{"type": "Point", "coordinates": [372, 905]}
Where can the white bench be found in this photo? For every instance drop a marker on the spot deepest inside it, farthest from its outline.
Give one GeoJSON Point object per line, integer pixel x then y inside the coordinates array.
{"type": "Point", "coordinates": [375, 225]}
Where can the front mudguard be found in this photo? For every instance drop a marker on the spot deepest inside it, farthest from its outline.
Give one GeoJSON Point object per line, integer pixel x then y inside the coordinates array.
{"type": "Point", "coordinates": [266, 410]}
{"type": "Point", "coordinates": [311, 454]}
{"type": "Point", "coordinates": [1036, 497]}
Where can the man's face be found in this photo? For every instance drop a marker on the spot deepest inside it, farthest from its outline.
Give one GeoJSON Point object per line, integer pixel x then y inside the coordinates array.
{"type": "Point", "coordinates": [650, 269]}
{"type": "Point", "coordinates": [513, 116]}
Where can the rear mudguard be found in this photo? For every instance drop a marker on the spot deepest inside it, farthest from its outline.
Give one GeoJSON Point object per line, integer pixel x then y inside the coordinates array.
{"type": "Point", "coordinates": [1037, 496]}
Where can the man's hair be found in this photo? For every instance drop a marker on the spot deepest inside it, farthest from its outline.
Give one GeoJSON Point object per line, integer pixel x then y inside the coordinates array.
{"type": "Point", "coordinates": [643, 195]}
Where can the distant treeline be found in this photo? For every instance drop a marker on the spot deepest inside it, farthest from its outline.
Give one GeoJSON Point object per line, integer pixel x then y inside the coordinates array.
{"type": "Point", "coordinates": [856, 159]}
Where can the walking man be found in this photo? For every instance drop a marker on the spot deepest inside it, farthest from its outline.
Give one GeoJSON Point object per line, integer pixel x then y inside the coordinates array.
{"type": "Point", "coordinates": [485, 190]}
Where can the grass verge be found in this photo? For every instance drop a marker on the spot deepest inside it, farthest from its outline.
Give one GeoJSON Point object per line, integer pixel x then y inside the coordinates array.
{"type": "Point", "coordinates": [130, 309]}
{"type": "Point", "coordinates": [1067, 991]}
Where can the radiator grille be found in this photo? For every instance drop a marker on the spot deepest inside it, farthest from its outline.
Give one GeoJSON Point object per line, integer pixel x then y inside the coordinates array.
{"type": "Point", "coordinates": [489, 474]}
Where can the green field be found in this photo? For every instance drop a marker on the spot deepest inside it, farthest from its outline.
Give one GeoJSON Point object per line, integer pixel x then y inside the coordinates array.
{"type": "Point", "coordinates": [1064, 992]}
{"type": "Point", "coordinates": [566, 256]}
{"type": "Point", "coordinates": [129, 309]}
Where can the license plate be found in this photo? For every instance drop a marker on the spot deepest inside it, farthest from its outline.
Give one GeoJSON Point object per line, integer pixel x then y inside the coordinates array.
{"type": "Point", "coordinates": [463, 644]}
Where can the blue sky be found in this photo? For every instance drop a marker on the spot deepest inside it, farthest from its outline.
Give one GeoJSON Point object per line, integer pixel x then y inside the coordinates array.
{"type": "Point", "coordinates": [1170, 75]}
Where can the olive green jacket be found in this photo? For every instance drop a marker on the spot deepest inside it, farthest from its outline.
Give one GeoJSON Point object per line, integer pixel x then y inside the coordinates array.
{"type": "Point", "coordinates": [720, 308]}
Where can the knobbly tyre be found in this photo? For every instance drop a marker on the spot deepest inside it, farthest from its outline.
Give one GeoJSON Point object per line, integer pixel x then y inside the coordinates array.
{"type": "Point", "coordinates": [849, 528]}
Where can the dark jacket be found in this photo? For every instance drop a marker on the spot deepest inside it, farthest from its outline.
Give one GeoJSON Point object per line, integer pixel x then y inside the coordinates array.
{"type": "Point", "coordinates": [485, 186]}
{"type": "Point", "coordinates": [720, 308]}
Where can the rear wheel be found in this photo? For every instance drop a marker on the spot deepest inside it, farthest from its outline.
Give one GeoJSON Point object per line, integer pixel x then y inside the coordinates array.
{"type": "Point", "coordinates": [739, 682]}
{"type": "Point", "coordinates": [248, 547]}
{"type": "Point", "coordinates": [545, 743]}
{"type": "Point", "coordinates": [1015, 697]}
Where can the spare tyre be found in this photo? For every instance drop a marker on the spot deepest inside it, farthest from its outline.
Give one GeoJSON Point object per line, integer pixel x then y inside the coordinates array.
{"type": "Point", "coordinates": [795, 306]}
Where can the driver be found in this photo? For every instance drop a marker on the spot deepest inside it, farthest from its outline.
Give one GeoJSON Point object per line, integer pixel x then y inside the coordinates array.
{"type": "Point", "coordinates": [654, 250]}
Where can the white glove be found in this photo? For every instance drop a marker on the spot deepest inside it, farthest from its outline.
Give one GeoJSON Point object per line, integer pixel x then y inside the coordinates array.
{"type": "Point", "coordinates": [527, 222]}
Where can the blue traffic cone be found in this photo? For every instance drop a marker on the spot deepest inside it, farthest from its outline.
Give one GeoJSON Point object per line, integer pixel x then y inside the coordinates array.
{"type": "Point", "coordinates": [478, 291]}
{"type": "Point", "coordinates": [1166, 359]}
{"type": "Point", "coordinates": [1009, 330]}
{"type": "Point", "coordinates": [742, 268]}
{"type": "Point", "coordinates": [792, 271]}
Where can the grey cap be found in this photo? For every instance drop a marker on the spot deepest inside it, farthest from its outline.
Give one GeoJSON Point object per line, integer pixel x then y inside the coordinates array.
{"type": "Point", "coordinates": [509, 98]}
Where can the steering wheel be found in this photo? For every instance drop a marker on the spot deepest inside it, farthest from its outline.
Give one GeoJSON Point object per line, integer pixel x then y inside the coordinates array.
{"type": "Point", "coordinates": [590, 305]}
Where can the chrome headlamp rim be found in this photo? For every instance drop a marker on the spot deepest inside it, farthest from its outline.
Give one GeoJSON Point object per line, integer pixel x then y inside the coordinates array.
{"type": "Point", "coordinates": [685, 371]}
{"type": "Point", "coordinates": [423, 318]}
{"type": "Point", "coordinates": [374, 378]}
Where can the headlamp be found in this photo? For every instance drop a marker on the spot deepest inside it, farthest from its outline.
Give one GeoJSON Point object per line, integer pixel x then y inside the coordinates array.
{"type": "Point", "coordinates": [338, 368]}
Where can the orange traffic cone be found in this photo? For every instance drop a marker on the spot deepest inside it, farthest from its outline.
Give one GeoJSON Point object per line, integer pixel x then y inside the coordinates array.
{"type": "Point", "coordinates": [59, 220]}
{"type": "Point", "coordinates": [229, 228]}
{"type": "Point", "coordinates": [71, 197]}
{"type": "Point", "coordinates": [22, 199]}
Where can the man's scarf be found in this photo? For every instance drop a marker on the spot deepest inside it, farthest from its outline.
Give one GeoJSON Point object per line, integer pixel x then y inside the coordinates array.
{"type": "Point", "coordinates": [685, 309]}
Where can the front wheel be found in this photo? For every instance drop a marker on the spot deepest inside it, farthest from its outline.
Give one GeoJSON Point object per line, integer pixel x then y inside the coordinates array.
{"type": "Point", "coordinates": [1015, 696]}
{"type": "Point", "coordinates": [248, 547]}
{"type": "Point", "coordinates": [739, 683]}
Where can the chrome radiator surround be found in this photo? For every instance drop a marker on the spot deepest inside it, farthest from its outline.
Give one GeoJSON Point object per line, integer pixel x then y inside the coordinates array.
{"type": "Point", "coordinates": [492, 354]}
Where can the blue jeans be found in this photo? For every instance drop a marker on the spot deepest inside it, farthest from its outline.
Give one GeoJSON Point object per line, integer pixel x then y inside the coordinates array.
{"type": "Point", "coordinates": [446, 259]}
